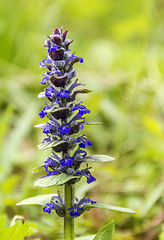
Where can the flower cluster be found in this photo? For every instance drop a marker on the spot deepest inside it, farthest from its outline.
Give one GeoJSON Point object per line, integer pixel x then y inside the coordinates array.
{"type": "Point", "coordinates": [77, 208]}
{"type": "Point", "coordinates": [66, 117]}
{"type": "Point", "coordinates": [57, 204]}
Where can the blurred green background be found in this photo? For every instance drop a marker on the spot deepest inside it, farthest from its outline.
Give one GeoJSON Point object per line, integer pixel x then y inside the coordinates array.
{"type": "Point", "coordinates": [122, 43]}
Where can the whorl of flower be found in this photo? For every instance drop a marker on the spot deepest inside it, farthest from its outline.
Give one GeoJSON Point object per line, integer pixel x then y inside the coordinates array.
{"type": "Point", "coordinates": [57, 203]}
{"type": "Point", "coordinates": [66, 117]}
{"type": "Point", "coordinates": [77, 208]}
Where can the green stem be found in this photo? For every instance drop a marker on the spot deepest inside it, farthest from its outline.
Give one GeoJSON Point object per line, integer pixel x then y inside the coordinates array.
{"type": "Point", "coordinates": [69, 233]}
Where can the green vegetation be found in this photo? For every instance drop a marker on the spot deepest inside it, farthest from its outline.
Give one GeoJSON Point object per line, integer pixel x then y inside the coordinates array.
{"type": "Point", "coordinates": [122, 44]}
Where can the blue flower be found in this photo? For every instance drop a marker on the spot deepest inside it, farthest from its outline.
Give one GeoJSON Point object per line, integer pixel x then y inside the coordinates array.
{"type": "Point", "coordinates": [63, 94]}
{"type": "Point", "coordinates": [81, 59]}
{"type": "Point", "coordinates": [42, 113]}
{"type": "Point", "coordinates": [51, 163]}
{"type": "Point", "coordinates": [82, 109]}
{"type": "Point", "coordinates": [52, 48]}
{"type": "Point", "coordinates": [47, 61]}
{"type": "Point", "coordinates": [48, 74]}
{"type": "Point", "coordinates": [86, 173]}
{"type": "Point", "coordinates": [83, 142]}
{"type": "Point", "coordinates": [57, 203]}
{"type": "Point", "coordinates": [44, 80]}
{"type": "Point", "coordinates": [77, 209]}
{"type": "Point", "coordinates": [67, 161]}
{"type": "Point", "coordinates": [50, 91]}
{"type": "Point", "coordinates": [48, 208]}
{"type": "Point", "coordinates": [72, 58]}
{"type": "Point", "coordinates": [64, 129]}
{"type": "Point", "coordinates": [47, 128]}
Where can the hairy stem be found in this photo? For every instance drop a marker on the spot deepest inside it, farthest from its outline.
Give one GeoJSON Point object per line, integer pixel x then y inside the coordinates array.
{"type": "Point", "coordinates": [69, 233]}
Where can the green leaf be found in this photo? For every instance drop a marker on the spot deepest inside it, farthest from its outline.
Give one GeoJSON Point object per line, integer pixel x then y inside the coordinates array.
{"type": "Point", "coordinates": [15, 232]}
{"type": "Point", "coordinates": [90, 237]}
{"type": "Point", "coordinates": [39, 200]}
{"type": "Point", "coordinates": [98, 158]}
{"type": "Point", "coordinates": [54, 180]}
{"type": "Point", "coordinates": [46, 145]}
{"type": "Point", "coordinates": [106, 233]}
{"type": "Point", "coordinates": [108, 207]}
{"type": "Point", "coordinates": [36, 169]}
{"type": "Point", "coordinates": [3, 220]}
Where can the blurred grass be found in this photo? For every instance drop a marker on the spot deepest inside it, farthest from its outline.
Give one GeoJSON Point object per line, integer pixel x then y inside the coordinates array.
{"type": "Point", "coordinates": [122, 43]}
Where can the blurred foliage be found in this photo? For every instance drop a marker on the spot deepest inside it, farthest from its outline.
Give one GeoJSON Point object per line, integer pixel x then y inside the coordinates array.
{"type": "Point", "coordinates": [122, 43]}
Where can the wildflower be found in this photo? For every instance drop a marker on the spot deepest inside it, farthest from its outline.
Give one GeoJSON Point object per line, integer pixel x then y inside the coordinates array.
{"type": "Point", "coordinates": [64, 129]}
{"type": "Point", "coordinates": [77, 208]}
{"type": "Point", "coordinates": [63, 94]}
{"type": "Point", "coordinates": [57, 203]}
{"type": "Point", "coordinates": [82, 109]}
{"type": "Point", "coordinates": [42, 113]}
{"type": "Point", "coordinates": [67, 161]}
{"type": "Point", "coordinates": [51, 163]}
{"type": "Point", "coordinates": [84, 142]}
{"type": "Point", "coordinates": [86, 173]}
{"type": "Point", "coordinates": [48, 208]}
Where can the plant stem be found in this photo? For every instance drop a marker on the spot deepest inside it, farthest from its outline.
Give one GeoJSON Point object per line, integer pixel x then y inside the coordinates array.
{"type": "Point", "coordinates": [69, 233]}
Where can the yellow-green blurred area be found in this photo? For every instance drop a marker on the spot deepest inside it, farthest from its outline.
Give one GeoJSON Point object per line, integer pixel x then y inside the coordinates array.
{"type": "Point", "coordinates": [122, 44]}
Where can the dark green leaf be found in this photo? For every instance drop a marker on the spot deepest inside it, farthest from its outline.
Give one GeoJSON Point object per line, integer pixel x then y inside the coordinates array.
{"type": "Point", "coordinates": [106, 233]}
{"type": "Point", "coordinates": [54, 180]}
{"type": "Point", "coordinates": [108, 207]}
{"type": "Point", "coordinates": [39, 200]}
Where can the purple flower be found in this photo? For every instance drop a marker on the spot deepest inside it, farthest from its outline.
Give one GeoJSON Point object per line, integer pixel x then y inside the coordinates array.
{"type": "Point", "coordinates": [50, 91]}
{"type": "Point", "coordinates": [63, 94]}
{"type": "Point", "coordinates": [64, 129]}
{"type": "Point", "coordinates": [57, 203]}
{"type": "Point", "coordinates": [48, 208]}
{"type": "Point", "coordinates": [77, 208]}
{"type": "Point", "coordinates": [72, 58]}
{"type": "Point", "coordinates": [67, 161]}
{"type": "Point", "coordinates": [51, 163]}
{"type": "Point", "coordinates": [83, 142]}
{"type": "Point", "coordinates": [42, 113]}
{"type": "Point", "coordinates": [52, 47]}
{"type": "Point", "coordinates": [87, 174]}
{"type": "Point", "coordinates": [82, 109]}
{"type": "Point", "coordinates": [81, 59]}
{"type": "Point", "coordinates": [46, 129]}
{"type": "Point", "coordinates": [47, 61]}
{"type": "Point", "coordinates": [44, 80]}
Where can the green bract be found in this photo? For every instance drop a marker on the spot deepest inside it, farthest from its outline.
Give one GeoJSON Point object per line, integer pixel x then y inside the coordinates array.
{"type": "Point", "coordinates": [54, 180]}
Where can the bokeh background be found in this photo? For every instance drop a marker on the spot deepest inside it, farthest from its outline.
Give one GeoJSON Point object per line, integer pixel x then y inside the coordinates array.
{"type": "Point", "coordinates": [122, 43]}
